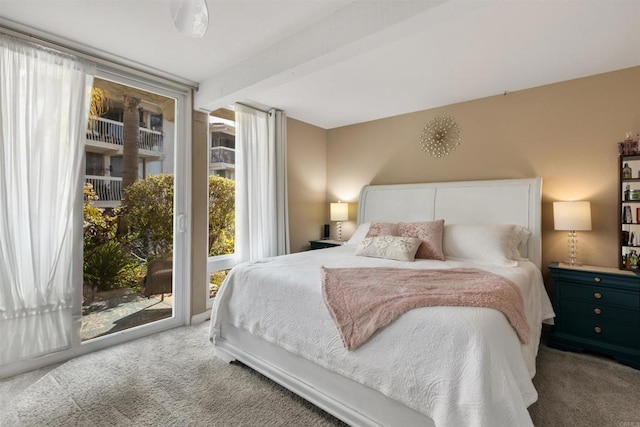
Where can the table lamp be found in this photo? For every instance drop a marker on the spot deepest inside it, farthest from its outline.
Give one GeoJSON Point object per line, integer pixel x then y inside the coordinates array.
{"type": "Point", "coordinates": [572, 217]}
{"type": "Point", "coordinates": [339, 212]}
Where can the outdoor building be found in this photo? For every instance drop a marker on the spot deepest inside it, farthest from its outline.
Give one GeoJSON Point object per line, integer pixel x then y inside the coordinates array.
{"type": "Point", "coordinates": [222, 151]}
{"type": "Point", "coordinates": [104, 147]}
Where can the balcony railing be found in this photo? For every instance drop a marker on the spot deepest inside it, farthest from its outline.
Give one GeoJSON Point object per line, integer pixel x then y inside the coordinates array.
{"type": "Point", "coordinates": [223, 157]}
{"type": "Point", "coordinates": [111, 132]}
{"type": "Point", "coordinates": [107, 188]}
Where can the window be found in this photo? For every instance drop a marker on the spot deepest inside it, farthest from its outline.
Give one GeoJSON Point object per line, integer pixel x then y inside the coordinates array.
{"type": "Point", "coordinates": [221, 203]}
{"type": "Point", "coordinates": [94, 164]}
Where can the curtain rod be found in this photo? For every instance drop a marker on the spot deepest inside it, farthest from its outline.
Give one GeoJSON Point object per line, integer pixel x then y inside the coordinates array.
{"type": "Point", "coordinates": [112, 62]}
{"type": "Point", "coordinates": [269, 111]}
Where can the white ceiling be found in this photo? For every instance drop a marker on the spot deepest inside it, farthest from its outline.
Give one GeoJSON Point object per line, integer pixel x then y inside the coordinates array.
{"type": "Point", "coordinates": [335, 62]}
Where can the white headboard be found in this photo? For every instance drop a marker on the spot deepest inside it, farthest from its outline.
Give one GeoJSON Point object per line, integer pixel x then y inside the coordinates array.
{"type": "Point", "coordinates": [507, 201]}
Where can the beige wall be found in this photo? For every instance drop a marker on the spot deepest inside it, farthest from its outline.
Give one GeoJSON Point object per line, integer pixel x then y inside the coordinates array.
{"type": "Point", "coordinates": [199, 228]}
{"type": "Point", "coordinates": [566, 133]}
{"type": "Point", "coordinates": [307, 179]}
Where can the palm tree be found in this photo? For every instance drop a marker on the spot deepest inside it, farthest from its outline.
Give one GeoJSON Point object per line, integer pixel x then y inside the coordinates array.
{"type": "Point", "coordinates": [131, 140]}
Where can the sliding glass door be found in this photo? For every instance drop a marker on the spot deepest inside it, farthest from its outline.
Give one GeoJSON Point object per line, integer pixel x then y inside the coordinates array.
{"type": "Point", "coordinates": [128, 209]}
{"type": "Point", "coordinates": [135, 251]}
{"type": "Point", "coordinates": [130, 252]}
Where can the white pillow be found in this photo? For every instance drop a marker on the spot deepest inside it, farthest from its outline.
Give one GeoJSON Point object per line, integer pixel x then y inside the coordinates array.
{"type": "Point", "coordinates": [485, 243]}
{"type": "Point", "coordinates": [389, 247]}
{"type": "Point", "coordinates": [359, 234]}
{"type": "Point", "coordinates": [522, 240]}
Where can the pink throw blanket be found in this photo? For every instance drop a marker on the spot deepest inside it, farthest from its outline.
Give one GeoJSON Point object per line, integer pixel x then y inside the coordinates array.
{"type": "Point", "coordinates": [363, 300]}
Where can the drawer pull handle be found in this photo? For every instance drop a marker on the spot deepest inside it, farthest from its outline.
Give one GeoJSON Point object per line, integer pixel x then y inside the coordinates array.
{"type": "Point", "coordinates": [597, 329]}
{"type": "Point", "coordinates": [597, 295]}
{"type": "Point", "coordinates": [597, 280]}
{"type": "Point", "coordinates": [597, 311]}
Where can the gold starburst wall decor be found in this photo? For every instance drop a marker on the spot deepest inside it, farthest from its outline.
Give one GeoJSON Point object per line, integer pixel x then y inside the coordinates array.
{"type": "Point", "coordinates": [440, 136]}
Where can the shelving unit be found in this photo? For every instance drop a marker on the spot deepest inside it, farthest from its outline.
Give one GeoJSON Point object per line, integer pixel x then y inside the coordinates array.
{"type": "Point", "coordinates": [629, 212]}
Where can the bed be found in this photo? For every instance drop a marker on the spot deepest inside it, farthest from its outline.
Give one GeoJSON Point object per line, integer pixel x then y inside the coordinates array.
{"type": "Point", "coordinates": [432, 366]}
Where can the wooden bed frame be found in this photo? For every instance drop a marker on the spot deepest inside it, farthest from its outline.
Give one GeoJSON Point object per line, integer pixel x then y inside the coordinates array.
{"type": "Point", "coordinates": [515, 201]}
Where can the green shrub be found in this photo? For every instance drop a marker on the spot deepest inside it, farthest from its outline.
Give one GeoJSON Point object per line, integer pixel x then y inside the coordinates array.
{"type": "Point", "coordinates": [148, 214]}
{"type": "Point", "coordinates": [222, 219]}
{"type": "Point", "coordinates": [110, 266]}
{"type": "Point", "coordinates": [113, 261]}
{"type": "Point", "coordinates": [98, 226]}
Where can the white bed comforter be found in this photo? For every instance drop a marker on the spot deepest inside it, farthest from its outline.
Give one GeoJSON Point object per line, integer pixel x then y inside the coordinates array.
{"type": "Point", "coordinates": [461, 366]}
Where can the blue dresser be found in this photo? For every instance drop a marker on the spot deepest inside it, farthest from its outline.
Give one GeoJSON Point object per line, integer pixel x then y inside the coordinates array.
{"type": "Point", "coordinates": [597, 309]}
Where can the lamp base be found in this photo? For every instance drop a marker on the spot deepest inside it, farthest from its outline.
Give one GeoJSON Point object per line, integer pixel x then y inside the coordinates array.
{"type": "Point", "coordinates": [573, 249]}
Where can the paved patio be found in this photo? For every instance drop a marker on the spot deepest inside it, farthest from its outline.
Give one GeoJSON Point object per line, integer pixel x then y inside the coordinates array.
{"type": "Point", "coordinates": [120, 309]}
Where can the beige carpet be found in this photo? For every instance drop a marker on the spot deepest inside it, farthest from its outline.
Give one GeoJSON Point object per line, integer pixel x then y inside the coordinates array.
{"type": "Point", "coordinates": [168, 379]}
{"type": "Point", "coordinates": [581, 390]}
{"type": "Point", "coordinates": [173, 379]}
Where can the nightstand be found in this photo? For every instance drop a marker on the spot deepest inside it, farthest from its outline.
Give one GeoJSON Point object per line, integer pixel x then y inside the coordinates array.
{"type": "Point", "coordinates": [321, 244]}
{"type": "Point", "coordinates": [597, 309]}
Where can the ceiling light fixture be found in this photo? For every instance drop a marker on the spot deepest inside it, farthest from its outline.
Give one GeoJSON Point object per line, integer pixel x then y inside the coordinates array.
{"type": "Point", "coordinates": [190, 17]}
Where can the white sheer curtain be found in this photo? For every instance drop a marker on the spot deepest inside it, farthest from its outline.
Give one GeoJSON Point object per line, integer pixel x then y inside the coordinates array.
{"type": "Point", "coordinates": [44, 99]}
{"type": "Point", "coordinates": [262, 227]}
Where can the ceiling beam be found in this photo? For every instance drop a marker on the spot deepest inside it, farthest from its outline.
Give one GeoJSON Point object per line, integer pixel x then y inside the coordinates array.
{"type": "Point", "coordinates": [348, 32]}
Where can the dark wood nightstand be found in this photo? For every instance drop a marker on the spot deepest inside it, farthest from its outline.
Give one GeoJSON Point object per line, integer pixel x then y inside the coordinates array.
{"type": "Point", "coordinates": [597, 309]}
{"type": "Point", "coordinates": [321, 244]}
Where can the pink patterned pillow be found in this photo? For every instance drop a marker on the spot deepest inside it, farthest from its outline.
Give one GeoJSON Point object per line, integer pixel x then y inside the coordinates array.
{"type": "Point", "coordinates": [430, 232]}
{"type": "Point", "coordinates": [382, 229]}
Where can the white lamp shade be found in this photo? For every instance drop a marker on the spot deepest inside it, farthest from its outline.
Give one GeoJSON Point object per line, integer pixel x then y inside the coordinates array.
{"type": "Point", "coordinates": [572, 216]}
{"type": "Point", "coordinates": [339, 211]}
